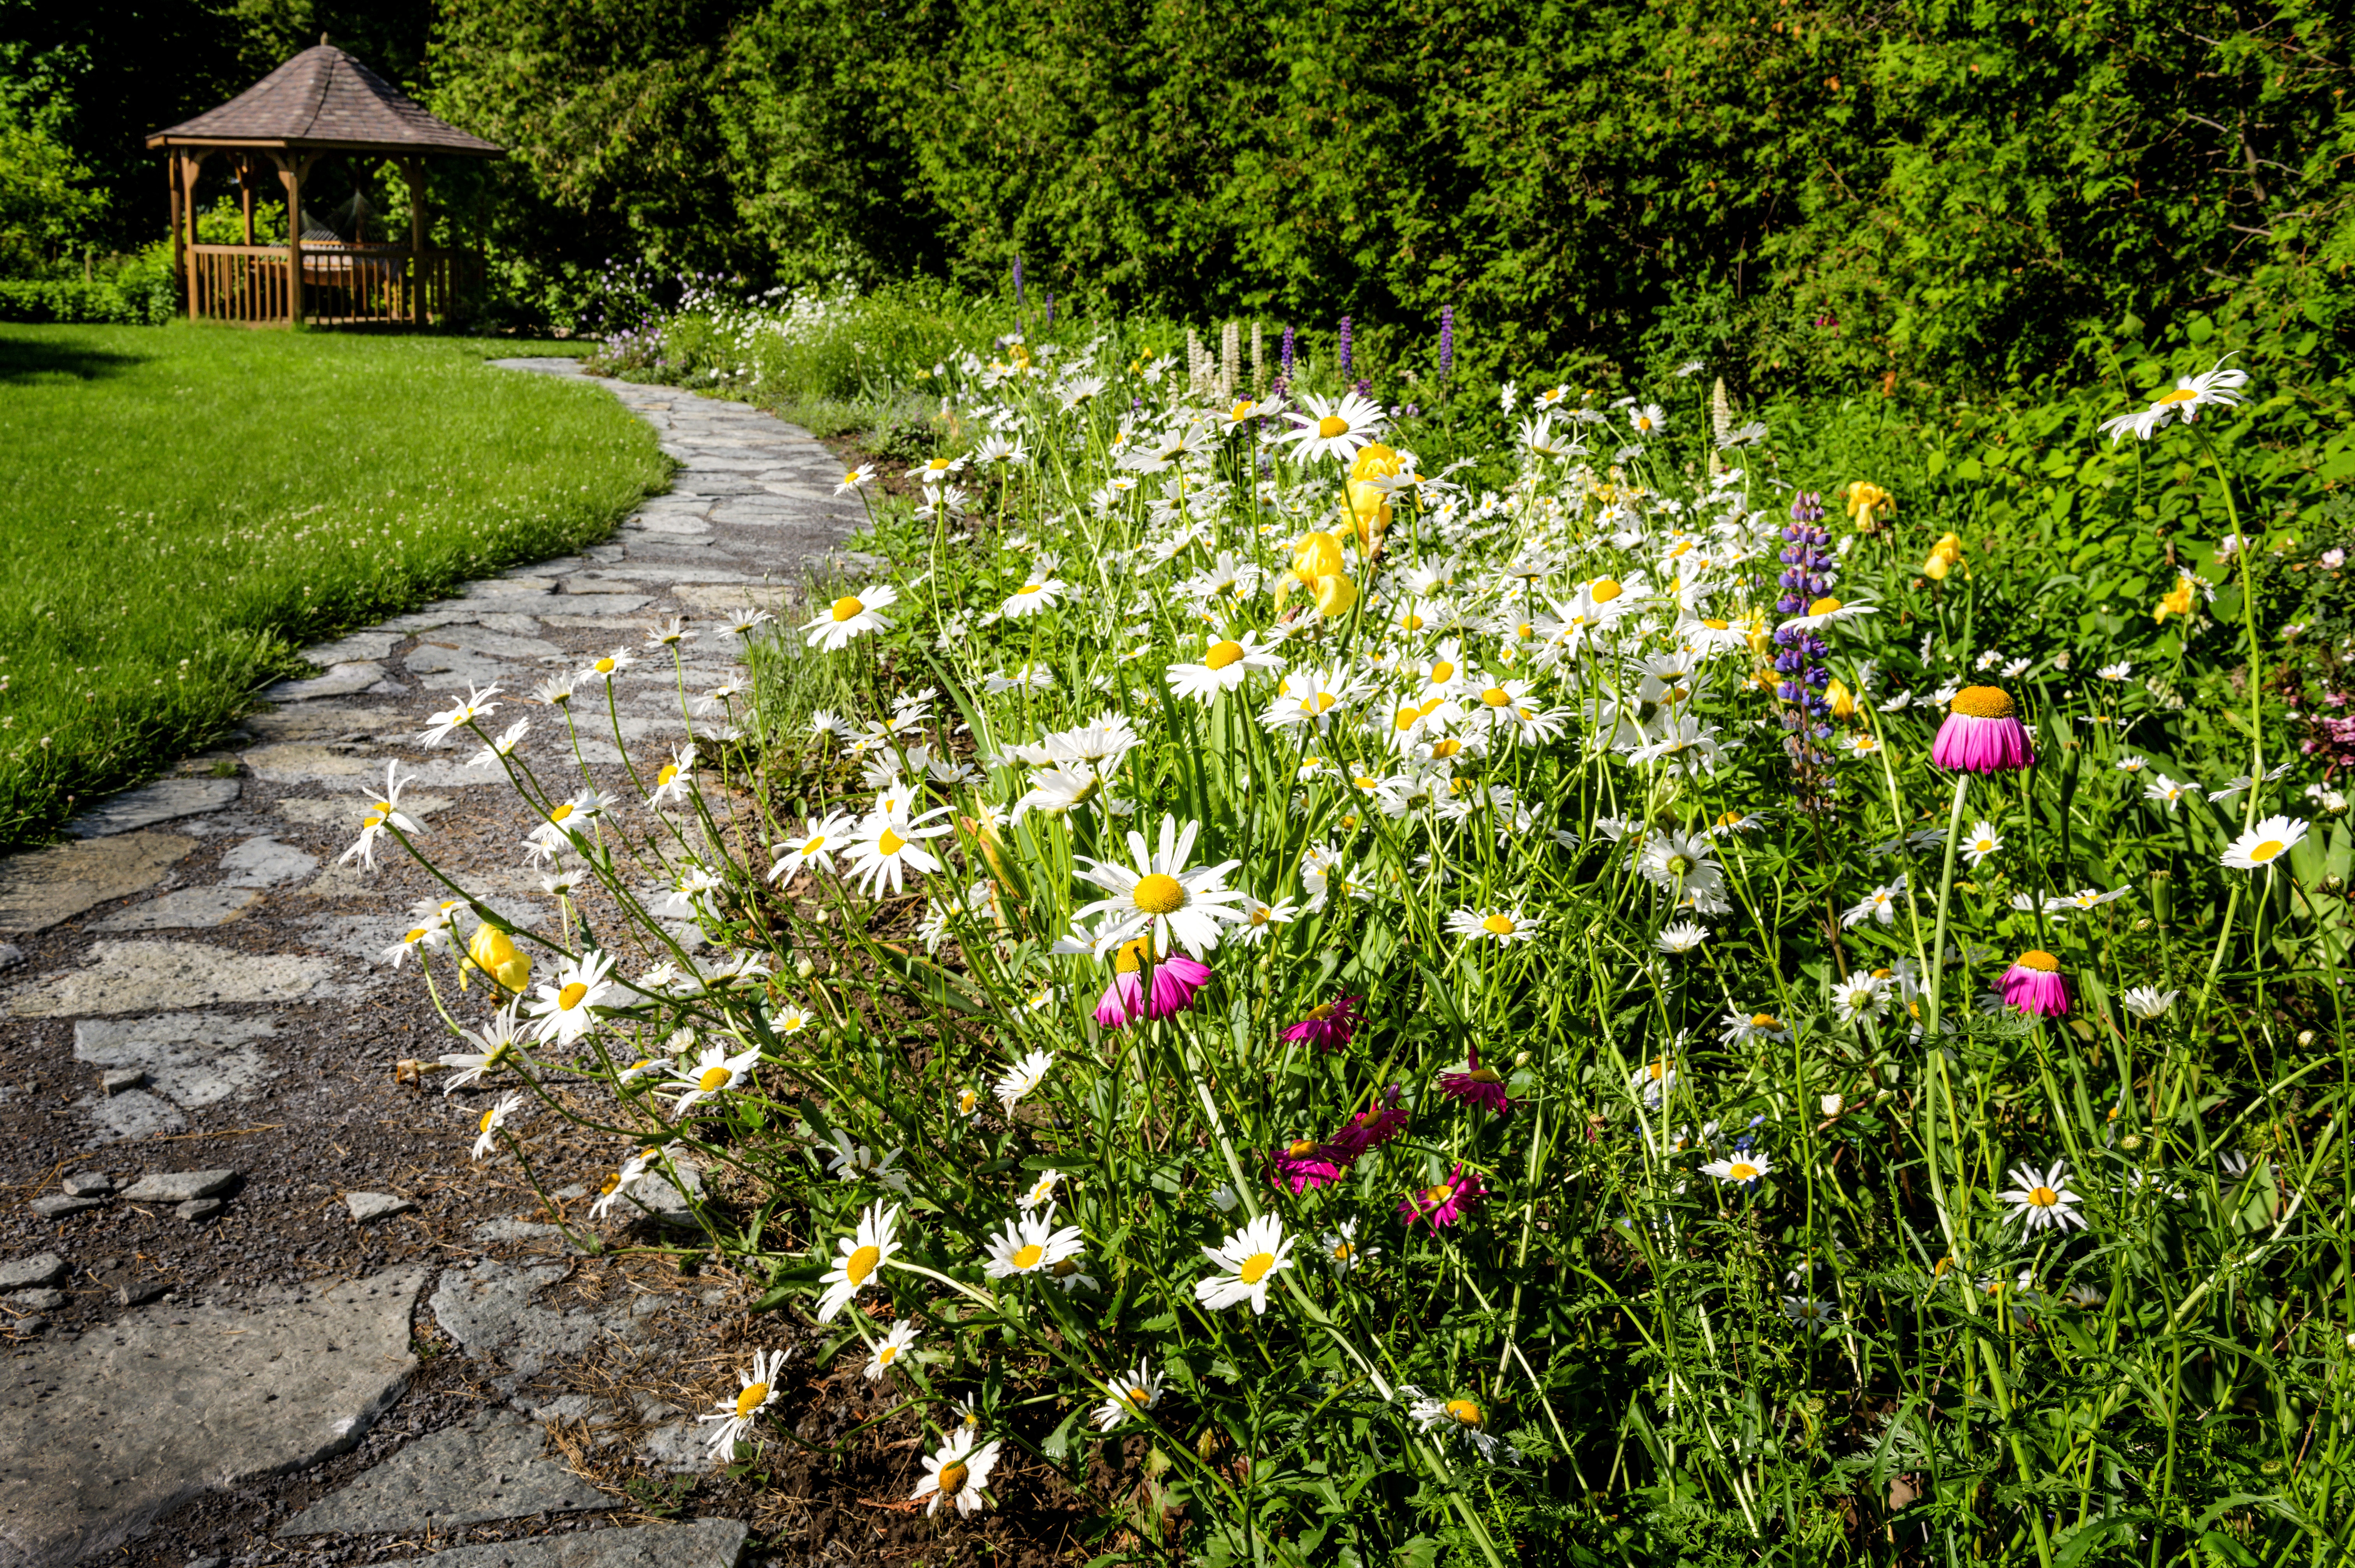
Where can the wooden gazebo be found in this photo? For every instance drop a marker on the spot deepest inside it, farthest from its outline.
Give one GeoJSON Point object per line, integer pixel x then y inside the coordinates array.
{"type": "Point", "coordinates": [320, 103]}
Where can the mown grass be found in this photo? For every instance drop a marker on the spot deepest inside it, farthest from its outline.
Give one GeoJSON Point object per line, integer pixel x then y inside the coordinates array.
{"type": "Point", "coordinates": [189, 505]}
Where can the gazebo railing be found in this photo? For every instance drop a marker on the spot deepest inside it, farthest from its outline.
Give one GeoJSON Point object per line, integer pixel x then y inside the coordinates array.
{"type": "Point", "coordinates": [342, 285]}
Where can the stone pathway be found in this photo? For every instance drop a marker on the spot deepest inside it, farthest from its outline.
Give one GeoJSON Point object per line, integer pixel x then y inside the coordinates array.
{"type": "Point", "coordinates": [257, 1304]}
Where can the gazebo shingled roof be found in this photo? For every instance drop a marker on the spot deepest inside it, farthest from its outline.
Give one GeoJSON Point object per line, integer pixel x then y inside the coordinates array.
{"type": "Point", "coordinates": [323, 97]}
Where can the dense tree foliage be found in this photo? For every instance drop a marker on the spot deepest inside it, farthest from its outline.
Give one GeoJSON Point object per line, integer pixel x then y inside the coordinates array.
{"type": "Point", "coordinates": [1842, 191]}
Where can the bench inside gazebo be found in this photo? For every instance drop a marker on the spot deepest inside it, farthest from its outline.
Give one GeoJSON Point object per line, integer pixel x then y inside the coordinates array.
{"type": "Point", "coordinates": [321, 102]}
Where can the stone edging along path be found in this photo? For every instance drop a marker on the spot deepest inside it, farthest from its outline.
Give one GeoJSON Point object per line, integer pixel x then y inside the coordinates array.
{"type": "Point", "coordinates": [236, 1252]}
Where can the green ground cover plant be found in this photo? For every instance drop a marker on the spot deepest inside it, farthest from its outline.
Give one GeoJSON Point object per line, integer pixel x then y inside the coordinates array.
{"type": "Point", "coordinates": [1587, 989]}
{"type": "Point", "coordinates": [189, 505]}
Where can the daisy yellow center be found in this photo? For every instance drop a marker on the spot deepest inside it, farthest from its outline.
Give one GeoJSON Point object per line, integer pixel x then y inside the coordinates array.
{"type": "Point", "coordinates": [1441, 672]}
{"type": "Point", "coordinates": [1140, 1396]}
{"type": "Point", "coordinates": [750, 1400]}
{"type": "Point", "coordinates": [570, 997]}
{"type": "Point", "coordinates": [1255, 1267]}
{"type": "Point", "coordinates": [938, 465]}
{"type": "Point", "coordinates": [860, 1264]}
{"type": "Point", "coordinates": [417, 935]}
{"type": "Point", "coordinates": [606, 666]}
{"type": "Point", "coordinates": [1411, 622]}
{"type": "Point", "coordinates": [1605, 589]}
{"type": "Point", "coordinates": [966, 1101]}
{"type": "Point", "coordinates": [1765, 1020]}
{"type": "Point", "coordinates": [714, 1078]}
{"type": "Point", "coordinates": [851, 478]}
{"type": "Point", "coordinates": [669, 772]}
{"type": "Point", "coordinates": [560, 813]}
{"type": "Point", "coordinates": [485, 1124]}
{"type": "Point", "coordinates": [1330, 426]}
{"type": "Point", "coordinates": [1242, 410]}
{"type": "Point", "coordinates": [2044, 1196]}
{"type": "Point", "coordinates": [887, 1355]}
{"type": "Point", "coordinates": [1466, 1412]}
{"type": "Point", "coordinates": [951, 1479]}
{"type": "Point", "coordinates": [846, 607]}
{"type": "Point", "coordinates": [1715, 626]}
{"type": "Point", "coordinates": [2267, 850]}
{"type": "Point", "coordinates": [1064, 1269]}
{"type": "Point", "coordinates": [1027, 1255]}
{"type": "Point", "coordinates": [1496, 696]}
{"type": "Point", "coordinates": [1485, 1075]}
{"type": "Point", "coordinates": [1439, 1194]}
{"type": "Point", "coordinates": [815, 844]}
{"type": "Point", "coordinates": [1159, 894]}
{"type": "Point", "coordinates": [2180, 395]}
{"type": "Point", "coordinates": [1498, 926]}
{"type": "Point", "coordinates": [1261, 915]}
{"type": "Point", "coordinates": [1320, 1012]}
{"type": "Point", "coordinates": [1028, 588]}
{"type": "Point", "coordinates": [1223, 654]}
{"type": "Point", "coordinates": [1408, 717]}
{"type": "Point", "coordinates": [1344, 1251]}
{"type": "Point", "coordinates": [890, 843]}
{"type": "Point", "coordinates": [1824, 606]}
{"type": "Point", "coordinates": [1982, 702]}
{"type": "Point", "coordinates": [1740, 1170]}
{"type": "Point", "coordinates": [2038, 959]}
{"type": "Point", "coordinates": [1130, 958]}
{"type": "Point", "coordinates": [1302, 1148]}
{"type": "Point", "coordinates": [1446, 748]}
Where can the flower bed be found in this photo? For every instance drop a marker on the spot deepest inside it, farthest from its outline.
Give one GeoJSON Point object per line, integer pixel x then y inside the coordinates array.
{"type": "Point", "coordinates": [1576, 1003]}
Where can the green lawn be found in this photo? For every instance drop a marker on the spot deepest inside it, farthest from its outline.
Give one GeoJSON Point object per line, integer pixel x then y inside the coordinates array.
{"type": "Point", "coordinates": [188, 505]}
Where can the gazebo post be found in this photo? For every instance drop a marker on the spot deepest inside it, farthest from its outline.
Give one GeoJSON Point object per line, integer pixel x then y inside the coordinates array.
{"type": "Point", "coordinates": [190, 163]}
{"type": "Point", "coordinates": [412, 174]}
{"type": "Point", "coordinates": [245, 195]}
{"type": "Point", "coordinates": [291, 167]}
{"type": "Point", "coordinates": [171, 178]}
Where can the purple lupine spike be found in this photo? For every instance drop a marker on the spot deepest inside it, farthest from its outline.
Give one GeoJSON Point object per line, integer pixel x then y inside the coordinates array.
{"type": "Point", "coordinates": [1808, 565]}
{"type": "Point", "coordinates": [1017, 282]}
{"type": "Point", "coordinates": [1345, 346]}
{"type": "Point", "coordinates": [1447, 341]}
{"type": "Point", "coordinates": [1287, 356]}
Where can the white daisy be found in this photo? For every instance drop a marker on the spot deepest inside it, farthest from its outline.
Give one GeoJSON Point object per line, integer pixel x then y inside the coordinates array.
{"type": "Point", "coordinates": [852, 615]}
{"type": "Point", "coordinates": [2146, 1002]}
{"type": "Point", "coordinates": [477, 705]}
{"type": "Point", "coordinates": [857, 1256]}
{"type": "Point", "coordinates": [891, 844]}
{"type": "Point", "coordinates": [1131, 1395]}
{"type": "Point", "coordinates": [1504, 927]}
{"type": "Point", "coordinates": [1247, 1263]}
{"type": "Point", "coordinates": [736, 1416]}
{"type": "Point", "coordinates": [382, 813]}
{"type": "Point", "coordinates": [563, 1007]}
{"type": "Point", "coordinates": [1333, 428]}
{"type": "Point", "coordinates": [2263, 845]}
{"type": "Point", "coordinates": [1741, 1169]}
{"type": "Point", "coordinates": [1157, 893]}
{"type": "Point", "coordinates": [958, 1472]}
{"type": "Point", "coordinates": [1027, 1073]}
{"type": "Point", "coordinates": [2043, 1198]}
{"type": "Point", "coordinates": [1030, 1244]}
{"type": "Point", "coordinates": [1981, 842]}
{"type": "Point", "coordinates": [713, 1074]}
{"type": "Point", "coordinates": [1344, 1253]}
{"type": "Point", "coordinates": [814, 846]}
{"type": "Point", "coordinates": [486, 1129]}
{"type": "Point", "coordinates": [1033, 596]}
{"type": "Point", "coordinates": [890, 1348]}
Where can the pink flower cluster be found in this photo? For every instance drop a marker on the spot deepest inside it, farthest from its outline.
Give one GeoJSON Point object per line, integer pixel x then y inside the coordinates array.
{"type": "Point", "coordinates": [1171, 989]}
{"type": "Point", "coordinates": [1307, 1165]}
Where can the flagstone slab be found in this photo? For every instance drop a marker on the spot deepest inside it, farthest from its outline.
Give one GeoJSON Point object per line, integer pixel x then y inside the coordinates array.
{"type": "Point", "coordinates": [42, 888]}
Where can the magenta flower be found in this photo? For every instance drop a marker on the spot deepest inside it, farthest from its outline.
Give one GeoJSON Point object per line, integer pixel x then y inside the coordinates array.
{"type": "Point", "coordinates": [1369, 1129]}
{"type": "Point", "coordinates": [1122, 1002]}
{"type": "Point", "coordinates": [1175, 980]}
{"type": "Point", "coordinates": [1982, 733]}
{"type": "Point", "coordinates": [1478, 1085]}
{"type": "Point", "coordinates": [2033, 984]}
{"type": "Point", "coordinates": [1173, 983]}
{"type": "Point", "coordinates": [1329, 1026]}
{"type": "Point", "coordinates": [1446, 1204]}
{"type": "Point", "coordinates": [1306, 1165]}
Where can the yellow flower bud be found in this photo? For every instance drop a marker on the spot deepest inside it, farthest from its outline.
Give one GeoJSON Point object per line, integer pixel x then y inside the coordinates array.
{"type": "Point", "coordinates": [490, 951]}
{"type": "Point", "coordinates": [1318, 554]}
{"type": "Point", "coordinates": [1369, 513]}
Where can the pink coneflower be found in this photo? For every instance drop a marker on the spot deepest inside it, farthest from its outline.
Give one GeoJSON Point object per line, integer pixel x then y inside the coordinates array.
{"type": "Point", "coordinates": [1982, 733]}
{"type": "Point", "coordinates": [1329, 1026]}
{"type": "Point", "coordinates": [1478, 1085]}
{"type": "Point", "coordinates": [1369, 1129]}
{"type": "Point", "coordinates": [2033, 984]}
{"type": "Point", "coordinates": [1175, 980]}
{"type": "Point", "coordinates": [1306, 1165]}
{"type": "Point", "coordinates": [1128, 998]}
{"type": "Point", "coordinates": [1446, 1204]}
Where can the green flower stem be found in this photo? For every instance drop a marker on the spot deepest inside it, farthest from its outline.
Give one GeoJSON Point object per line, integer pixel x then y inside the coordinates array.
{"type": "Point", "coordinates": [1937, 974]}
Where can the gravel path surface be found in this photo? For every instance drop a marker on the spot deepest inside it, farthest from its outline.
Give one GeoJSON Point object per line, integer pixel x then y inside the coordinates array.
{"type": "Point", "coordinates": [258, 1304]}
